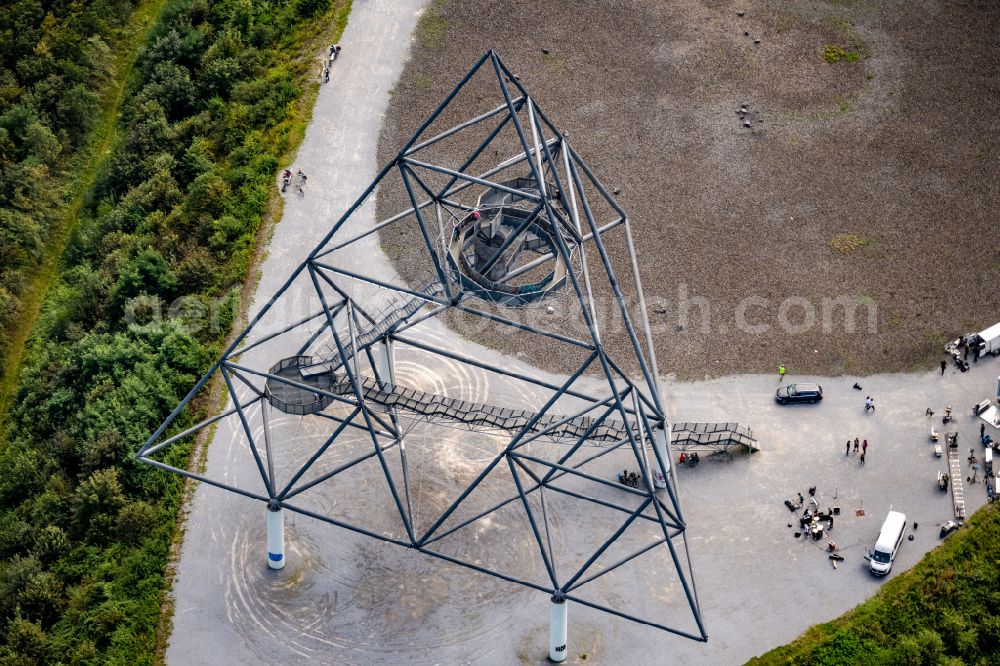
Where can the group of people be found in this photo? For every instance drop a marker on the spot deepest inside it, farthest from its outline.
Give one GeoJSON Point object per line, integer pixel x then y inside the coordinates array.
{"type": "Point", "coordinates": [960, 350]}
{"type": "Point", "coordinates": [812, 521]}
{"type": "Point", "coordinates": [691, 459]}
{"type": "Point", "coordinates": [627, 478]}
{"type": "Point", "coordinates": [286, 179]}
{"type": "Point", "coordinates": [863, 446]}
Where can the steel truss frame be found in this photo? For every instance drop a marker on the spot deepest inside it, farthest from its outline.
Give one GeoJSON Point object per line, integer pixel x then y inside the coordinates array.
{"type": "Point", "coordinates": [552, 162]}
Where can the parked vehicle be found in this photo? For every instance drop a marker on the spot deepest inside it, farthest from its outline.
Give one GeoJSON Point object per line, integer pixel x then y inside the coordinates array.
{"type": "Point", "coordinates": [799, 393]}
{"type": "Point", "coordinates": [986, 341]}
{"type": "Point", "coordinates": [887, 544]}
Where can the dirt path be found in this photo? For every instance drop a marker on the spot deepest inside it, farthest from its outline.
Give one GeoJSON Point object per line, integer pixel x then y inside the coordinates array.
{"type": "Point", "coordinates": [338, 155]}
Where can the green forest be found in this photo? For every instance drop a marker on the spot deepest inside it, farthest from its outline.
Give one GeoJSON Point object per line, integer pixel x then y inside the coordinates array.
{"type": "Point", "coordinates": [145, 293]}
{"type": "Point", "coordinates": [57, 72]}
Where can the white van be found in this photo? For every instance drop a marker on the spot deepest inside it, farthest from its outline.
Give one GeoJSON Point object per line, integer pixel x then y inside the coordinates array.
{"type": "Point", "coordinates": [889, 538]}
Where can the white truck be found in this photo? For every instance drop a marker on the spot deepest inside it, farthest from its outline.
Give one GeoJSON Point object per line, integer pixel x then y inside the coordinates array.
{"type": "Point", "coordinates": [987, 341]}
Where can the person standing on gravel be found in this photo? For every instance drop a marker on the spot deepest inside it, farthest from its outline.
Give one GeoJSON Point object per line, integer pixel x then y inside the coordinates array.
{"type": "Point", "coordinates": [856, 444]}
{"type": "Point", "coordinates": [781, 373]}
{"type": "Point", "coordinates": [848, 451]}
{"type": "Point", "coordinates": [944, 366]}
{"type": "Point", "coordinates": [862, 457]}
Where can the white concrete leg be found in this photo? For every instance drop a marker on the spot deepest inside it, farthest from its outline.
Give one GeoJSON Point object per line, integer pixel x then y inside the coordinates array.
{"type": "Point", "coordinates": [558, 629]}
{"type": "Point", "coordinates": [275, 538]}
{"type": "Point", "coordinates": [660, 473]}
{"type": "Point", "coordinates": [386, 367]}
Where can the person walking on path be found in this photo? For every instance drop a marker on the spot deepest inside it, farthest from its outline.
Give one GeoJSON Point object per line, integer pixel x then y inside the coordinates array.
{"type": "Point", "coordinates": [862, 457]}
{"type": "Point", "coordinates": [869, 404]}
{"type": "Point", "coordinates": [781, 373]}
{"type": "Point", "coordinates": [856, 444]}
{"type": "Point", "coordinates": [944, 366]}
{"type": "Point", "coordinates": [848, 451]}
{"type": "Point", "coordinates": [864, 447]}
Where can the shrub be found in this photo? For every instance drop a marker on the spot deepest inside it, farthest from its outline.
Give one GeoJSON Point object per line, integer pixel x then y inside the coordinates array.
{"type": "Point", "coordinates": [833, 53]}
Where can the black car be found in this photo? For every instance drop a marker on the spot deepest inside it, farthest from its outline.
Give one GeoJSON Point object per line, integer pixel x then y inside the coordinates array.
{"type": "Point", "coordinates": [799, 393]}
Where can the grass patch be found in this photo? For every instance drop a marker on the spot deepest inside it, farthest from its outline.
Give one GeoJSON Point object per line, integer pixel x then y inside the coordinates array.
{"type": "Point", "coordinates": [845, 244]}
{"type": "Point", "coordinates": [423, 81]}
{"type": "Point", "coordinates": [850, 35]}
{"type": "Point", "coordinates": [556, 64]}
{"type": "Point", "coordinates": [833, 53]}
{"type": "Point", "coordinates": [432, 26]}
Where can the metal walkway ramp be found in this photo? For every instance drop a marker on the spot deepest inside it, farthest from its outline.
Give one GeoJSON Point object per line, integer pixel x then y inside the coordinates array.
{"type": "Point", "coordinates": [715, 437]}
{"type": "Point", "coordinates": [306, 372]}
{"type": "Point", "coordinates": [392, 315]}
{"type": "Point", "coordinates": [957, 489]}
{"type": "Point", "coordinates": [297, 398]}
{"type": "Point", "coordinates": [434, 406]}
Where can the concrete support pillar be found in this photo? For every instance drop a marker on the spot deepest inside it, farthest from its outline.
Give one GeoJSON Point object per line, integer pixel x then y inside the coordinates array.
{"type": "Point", "coordinates": [558, 629]}
{"type": "Point", "coordinates": [660, 437]}
{"type": "Point", "coordinates": [386, 366]}
{"type": "Point", "coordinates": [275, 536]}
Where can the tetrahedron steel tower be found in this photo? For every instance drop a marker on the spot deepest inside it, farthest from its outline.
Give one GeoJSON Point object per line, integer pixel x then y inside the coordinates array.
{"type": "Point", "coordinates": [518, 224]}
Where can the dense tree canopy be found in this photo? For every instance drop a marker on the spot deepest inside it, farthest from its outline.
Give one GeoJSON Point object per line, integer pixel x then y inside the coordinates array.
{"type": "Point", "coordinates": [144, 297]}
{"type": "Point", "coordinates": [54, 63]}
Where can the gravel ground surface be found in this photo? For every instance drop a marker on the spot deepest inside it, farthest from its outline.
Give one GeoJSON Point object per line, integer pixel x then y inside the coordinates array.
{"type": "Point", "coordinates": [870, 179]}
